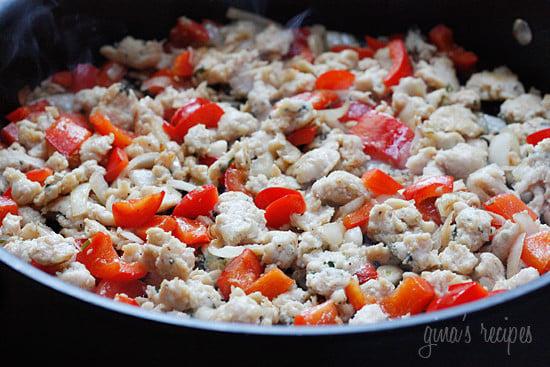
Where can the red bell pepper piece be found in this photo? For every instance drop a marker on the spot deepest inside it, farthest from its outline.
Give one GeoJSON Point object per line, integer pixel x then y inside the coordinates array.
{"type": "Point", "coordinates": [442, 37]}
{"type": "Point", "coordinates": [160, 80]}
{"type": "Point", "coordinates": [412, 296]}
{"type": "Point", "coordinates": [63, 78]}
{"type": "Point", "coordinates": [374, 43]}
{"type": "Point", "coordinates": [103, 126]}
{"type": "Point", "coordinates": [429, 187]}
{"type": "Point", "coordinates": [39, 175]}
{"type": "Point", "coordinates": [278, 213]}
{"type": "Point", "coordinates": [536, 251]}
{"type": "Point", "coordinates": [429, 211]}
{"type": "Point", "coordinates": [380, 183]}
{"type": "Point", "coordinates": [506, 205]}
{"type": "Point", "coordinates": [66, 136]}
{"type": "Point", "coordinates": [324, 314]}
{"type": "Point", "coordinates": [366, 273]}
{"type": "Point", "coordinates": [270, 194]}
{"type": "Point", "coordinates": [240, 272]}
{"type": "Point", "coordinates": [10, 133]}
{"type": "Point", "coordinates": [207, 161]}
{"type": "Point", "coordinates": [234, 179]}
{"type": "Point", "coordinates": [84, 77]}
{"type": "Point", "coordinates": [125, 299]}
{"type": "Point", "coordinates": [356, 297]}
{"type": "Point", "coordinates": [49, 269]}
{"type": "Point", "coordinates": [110, 288]}
{"type": "Point", "coordinates": [300, 45]}
{"type": "Point", "coordinates": [458, 294]}
{"type": "Point", "coordinates": [538, 136]}
{"type": "Point", "coordinates": [136, 212]}
{"type": "Point", "coordinates": [401, 65]}
{"type": "Point", "coordinates": [355, 111]}
{"type": "Point", "coordinates": [24, 111]}
{"type": "Point", "coordinates": [320, 99]}
{"type": "Point", "coordinates": [384, 137]}
{"type": "Point", "coordinates": [360, 217]}
{"type": "Point", "coordinates": [191, 232]}
{"type": "Point", "coordinates": [110, 73]}
{"type": "Point", "coordinates": [77, 118]}
{"type": "Point", "coordinates": [197, 111]}
{"type": "Point", "coordinates": [7, 206]}
{"type": "Point", "coordinates": [183, 66]}
{"type": "Point", "coordinates": [187, 32]}
{"type": "Point", "coordinates": [271, 284]}
{"type": "Point", "coordinates": [118, 160]}
{"type": "Point", "coordinates": [200, 201]}
{"type": "Point", "coordinates": [103, 262]}
{"type": "Point", "coordinates": [302, 136]}
{"type": "Point", "coordinates": [335, 80]}
{"type": "Point", "coordinates": [165, 222]}
{"type": "Point", "coordinates": [463, 60]}
{"type": "Point", "coordinates": [363, 52]}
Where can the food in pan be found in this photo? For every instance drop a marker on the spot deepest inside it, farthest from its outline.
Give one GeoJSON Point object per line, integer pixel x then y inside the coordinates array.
{"type": "Point", "coordinates": [252, 173]}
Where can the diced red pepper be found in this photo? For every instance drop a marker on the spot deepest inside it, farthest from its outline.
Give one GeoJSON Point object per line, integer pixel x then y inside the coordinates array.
{"type": "Point", "coordinates": [240, 272]}
{"type": "Point", "coordinates": [103, 126]}
{"type": "Point", "coordinates": [458, 294]}
{"type": "Point", "coordinates": [160, 80]}
{"type": "Point", "coordinates": [66, 136]}
{"type": "Point", "coordinates": [462, 59]}
{"type": "Point", "coordinates": [187, 32]}
{"type": "Point", "coordinates": [136, 212]}
{"type": "Point", "coordinates": [506, 205]}
{"type": "Point", "coordinates": [109, 288]}
{"type": "Point", "coordinates": [323, 314]}
{"type": "Point", "coordinates": [77, 118]}
{"type": "Point", "coordinates": [118, 160]}
{"type": "Point", "coordinates": [102, 261]}
{"type": "Point", "coordinates": [270, 194]}
{"type": "Point", "coordinates": [380, 183]}
{"type": "Point", "coordinates": [84, 77]}
{"type": "Point", "coordinates": [110, 73]}
{"type": "Point", "coordinates": [165, 222]}
{"type": "Point", "coordinates": [302, 136]}
{"type": "Point", "coordinates": [7, 206]}
{"type": "Point", "coordinates": [234, 179]}
{"type": "Point", "coordinates": [429, 187]}
{"type": "Point", "coordinates": [356, 297]}
{"type": "Point", "coordinates": [320, 99]}
{"type": "Point", "coordinates": [271, 284]}
{"type": "Point", "coordinates": [375, 43]}
{"type": "Point", "coordinates": [300, 45]}
{"type": "Point", "coordinates": [494, 293]}
{"type": "Point", "coordinates": [366, 273]}
{"type": "Point", "coordinates": [442, 37]}
{"type": "Point", "coordinates": [10, 133]}
{"type": "Point", "coordinates": [63, 78]}
{"type": "Point", "coordinates": [401, 65]}
{"type": "Point", "coordinates": [360, 217]}
{"type": "Point", "coordinates": [384, 137]}
{"type": "Point", "coordinates": [197, 111]}
{"type": "Point", "coordinates": [24, 111]}
{"type": "Point", "coordinates": [39, 175]}
{"type": "Point", "coordinates": [278, 213]}
{"type": "Point", "coordinates": [335, 80]}
{"type": "Point", "coordinates": [412, 296]}
{"type": "Point", "coordinates": [363, 52]}
{"type": "Point", "coordinates": [183, 66]}
{"type": "Point", "coordinates": [49, 269]}
{"type": "Point", "coordinates": [536, 251]}
{"type": "Point", "coordinates": [191, 232]}
{"type": "Point", "coordinates": [7, 194]}
{"type": "Point", "coordinates": [355, 111]}
{"type": "Point", "coordinates": [207, 161]}
{"type": "Point", "coordinates": [200, 201]}
{"type": "Point", "coordinates": [429, 211]}
{"type": "Point", "coordinates": [125, 299]}
{"type": "Point", "coordinates": [538, 136]}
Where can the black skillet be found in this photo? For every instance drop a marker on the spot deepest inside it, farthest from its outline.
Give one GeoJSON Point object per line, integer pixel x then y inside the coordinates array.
{"type": "Point", "coordinates": [40, 37]}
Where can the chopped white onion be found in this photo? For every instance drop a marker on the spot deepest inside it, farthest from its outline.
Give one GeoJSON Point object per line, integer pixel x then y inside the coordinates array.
{"type": "Point", "coordinates": [513, 264]}
{"type": "Point", "coordinates": [129, 235]}
{"type": "Point", "coordinates": [501, 146]}
{"type": "Point", "coordinates": [350, 207]}
{"type": "Point", "coordinates": [239, 14]}
{"type": "Point", "coordinates": [230, 252]}
{"type": "Point", "coordinates": [331, 116]}
{"type": "Point", "coordinates": [331, 234]}
{"type": "Point", "coordinates": [445, 234]}
{"type": "Point", "coordinates": [354, 235]}
{"type": "Point", "coordinates": [181, 185]}
{"type": "Point", "coordinates": [79, 200]}
{"type": "Point", "coordinates": [146, 160]}
{"type": "Point", "coordinates": [528, 225]}
{"type": "Point", "coordinates": [99, 186]}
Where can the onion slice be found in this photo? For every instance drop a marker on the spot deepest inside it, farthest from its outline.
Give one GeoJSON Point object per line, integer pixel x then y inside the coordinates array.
{"type": "Point", "coordinates": [129, 235]}
{"type": "Point", "coordinates": [79, 200]}
{"type": "Point", "coordinates": [146, 160]}
{"type": "Point", "coordinates": [513, 264]}
{"type": "Point", "coordinates": [181, 185]}
{"type": "Point", "coordinates": [230, 252]}
{"type": "Point", "coordinates": [528, 225]}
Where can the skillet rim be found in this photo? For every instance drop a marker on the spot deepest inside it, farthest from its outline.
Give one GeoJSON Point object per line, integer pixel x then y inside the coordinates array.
{"type": "Point", "coordinates": [58, 285]}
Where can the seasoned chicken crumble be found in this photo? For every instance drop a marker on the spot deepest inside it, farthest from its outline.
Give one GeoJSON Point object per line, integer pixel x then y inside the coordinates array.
{"type": "Point", "coordinates": [385, 179]}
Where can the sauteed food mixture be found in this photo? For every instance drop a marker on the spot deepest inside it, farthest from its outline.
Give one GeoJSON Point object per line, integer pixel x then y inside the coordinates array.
{"type": "Point", "coordinates": [252, 173]}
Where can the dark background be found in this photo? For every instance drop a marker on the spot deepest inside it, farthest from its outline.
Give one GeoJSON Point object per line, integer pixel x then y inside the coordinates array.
{"type": "Point", "coordinates": [39, 37]}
